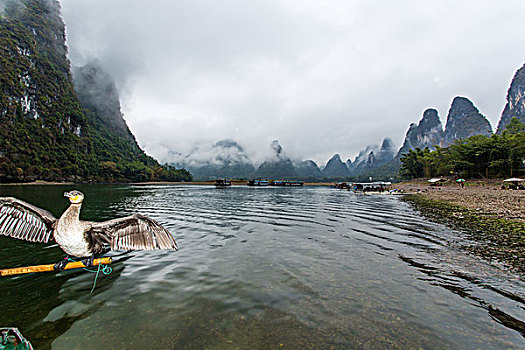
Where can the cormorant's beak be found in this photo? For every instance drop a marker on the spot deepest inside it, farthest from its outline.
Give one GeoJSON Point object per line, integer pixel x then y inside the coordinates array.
{"type": "Point", "coordinates": [68, 194]}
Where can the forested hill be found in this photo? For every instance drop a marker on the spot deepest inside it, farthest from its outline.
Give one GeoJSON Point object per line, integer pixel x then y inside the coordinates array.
{"type": "Point", "coordinates": [46, 131]}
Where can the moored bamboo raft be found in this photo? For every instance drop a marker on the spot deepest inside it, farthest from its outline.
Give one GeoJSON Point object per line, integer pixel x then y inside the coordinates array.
{"type": "Point", "coordinates": [44, 268]}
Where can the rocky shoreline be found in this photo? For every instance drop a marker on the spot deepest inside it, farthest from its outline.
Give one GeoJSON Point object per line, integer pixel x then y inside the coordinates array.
{"type": "Point", "coordinates": [492, 217]}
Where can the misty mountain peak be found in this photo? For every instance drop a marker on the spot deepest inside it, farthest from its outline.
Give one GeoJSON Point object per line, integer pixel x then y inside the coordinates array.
{"type": "Point", "coordinates": [465, 120]}
{"type": "Point", "coordinates": [372, 157]}
{"type": "Point", "coordinates": [461, 106]}
{"type": "Point", "coordinates": [227, 143]}
{"type": "Point", "coordinates": [428, 133]}
{"type": "Point", "coordinates": [430, 119]}
{"type": "Point", "coordinates": [308, 169]}
{"type": "Point", "coordinates": [335, 168]}
{"type": "Point", "coordinates": [335, 158]}
{"type": "Point", "coordinates": [387, 145]}
{"type": "Point", "coordinates": [279, 166]}
{"type": "Point", "coordinates": [222, 159]}
{"type": "Point", "coordinates": [276, 148]}
{"type": "Point", "coordinates": [515, 106]}
{"type": "Point", "coordinates": [97, 92]}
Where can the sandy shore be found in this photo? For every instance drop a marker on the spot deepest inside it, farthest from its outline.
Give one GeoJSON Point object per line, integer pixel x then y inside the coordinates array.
{"type": "Point", "coordinates": [486, 198]}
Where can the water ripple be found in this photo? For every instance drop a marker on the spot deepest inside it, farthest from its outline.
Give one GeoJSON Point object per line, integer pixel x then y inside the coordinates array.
{"type": "Point", "coordinates": [304, 267]}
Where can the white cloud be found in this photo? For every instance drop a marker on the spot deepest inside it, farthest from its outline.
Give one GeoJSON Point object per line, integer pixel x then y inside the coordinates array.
{"type": "Point", "coordinates": [321, 77]}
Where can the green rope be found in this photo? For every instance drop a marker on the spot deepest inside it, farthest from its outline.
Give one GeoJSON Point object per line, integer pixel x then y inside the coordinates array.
{"type": "Point", "coordinates": [106, 270]}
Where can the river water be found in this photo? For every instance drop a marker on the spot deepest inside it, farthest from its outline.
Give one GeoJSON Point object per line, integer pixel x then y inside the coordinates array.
{"type": "Point", "coordinates": [264, 268]}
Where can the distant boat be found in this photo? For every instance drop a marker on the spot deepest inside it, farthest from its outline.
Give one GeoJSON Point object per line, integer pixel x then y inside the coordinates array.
{"type": "Point", "coordinates": [277, 183]}
{"type": "Point", "coordinates": [342, 185]}
{"type": "Point", "coordinates": [222, 183]}
{"type": "Point", "coordinates": [258, 183]}
{"type": "Point", "coordinates": [373, 187]}
{"type": "Point", "coordinates": [286, 183]}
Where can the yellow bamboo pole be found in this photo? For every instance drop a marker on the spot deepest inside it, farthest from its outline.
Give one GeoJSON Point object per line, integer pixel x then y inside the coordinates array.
{"type": "Point", "coordinates": [43, 268]}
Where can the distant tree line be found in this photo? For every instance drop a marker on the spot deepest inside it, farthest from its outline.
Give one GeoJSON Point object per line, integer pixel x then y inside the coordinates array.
{"type": "Point", "coordinates": [475, 157]}
{"type": "Point", "coordinates": [30, 152]}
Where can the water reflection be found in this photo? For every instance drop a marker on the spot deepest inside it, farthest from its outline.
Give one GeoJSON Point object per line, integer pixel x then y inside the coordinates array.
{"type": "Point", "coordinates": [266, 268]}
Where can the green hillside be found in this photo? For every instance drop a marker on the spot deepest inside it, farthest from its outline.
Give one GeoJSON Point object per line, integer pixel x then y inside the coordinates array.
{"type": "Point", "coordinates": [45, 131]}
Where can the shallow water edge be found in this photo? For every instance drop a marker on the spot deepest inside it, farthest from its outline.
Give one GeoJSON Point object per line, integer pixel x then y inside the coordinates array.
{"type": "Point", "coordinates": [495, 238]}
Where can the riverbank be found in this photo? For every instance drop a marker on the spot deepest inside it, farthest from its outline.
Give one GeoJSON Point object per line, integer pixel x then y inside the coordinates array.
{"type": "Point", "coordinates": [205, 183]}
{"type": "Point", "coordinates": [233, 182]}
{"type": "Point", "coordinates": [493, 218]}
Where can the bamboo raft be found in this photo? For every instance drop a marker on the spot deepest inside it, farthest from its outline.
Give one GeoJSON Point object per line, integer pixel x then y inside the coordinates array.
{"type": "Point", "coordinates": [44, 268]}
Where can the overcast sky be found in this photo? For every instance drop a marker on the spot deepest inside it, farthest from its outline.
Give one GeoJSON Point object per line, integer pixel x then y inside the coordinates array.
{"type": "Point", "coordinates": [322, 77]}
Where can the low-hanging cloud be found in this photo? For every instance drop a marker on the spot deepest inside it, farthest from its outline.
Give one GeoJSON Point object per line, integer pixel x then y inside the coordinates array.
{"type": "Point", "coordinates": [320, 77]}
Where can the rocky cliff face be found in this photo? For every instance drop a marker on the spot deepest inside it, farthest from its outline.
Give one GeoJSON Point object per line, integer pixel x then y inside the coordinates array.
{"type": "Point", "coordinates": [35, 82]}
{"type": "Point", "coordinates": [97, 92]}
{"type": "Point", "coordinates": [45, 131]}
{"type": "Point", "coordinates": [372, 157]}
{"type": "Point", "coordinates": [428, 133]}
{"type": "Point", "coordinates": [41, 121]}
{"type": "Point", "coordinates": [363, 157]}
{"type": "Point", "coordinates": [335, 168]}
{"type": "Point", "coordinates": [515, 106]}
{"type": "Point", "coordinates": [464, 120]}
{"type": "Point", "coordinates": [386, 153]}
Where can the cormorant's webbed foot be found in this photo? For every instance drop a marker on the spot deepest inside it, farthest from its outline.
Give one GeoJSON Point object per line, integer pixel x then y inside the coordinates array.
{"type": "Point", "coordinates": [88, 262]}
{"type": "Point", "coordinates": [61, 265]}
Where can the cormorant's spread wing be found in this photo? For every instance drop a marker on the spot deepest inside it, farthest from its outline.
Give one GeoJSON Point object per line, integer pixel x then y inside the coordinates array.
{"type": "Point", "coordinates": [22, 220]}
{"type": "Point", "coordinates": [136, 232]}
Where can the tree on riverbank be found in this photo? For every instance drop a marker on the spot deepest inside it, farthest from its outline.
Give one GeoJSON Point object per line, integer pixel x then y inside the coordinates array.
{"type": "Point", "coordinates": [475, 157]}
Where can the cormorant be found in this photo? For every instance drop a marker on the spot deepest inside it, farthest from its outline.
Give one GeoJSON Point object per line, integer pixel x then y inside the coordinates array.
{"type": "Point", "coordinates": [83, 239]}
